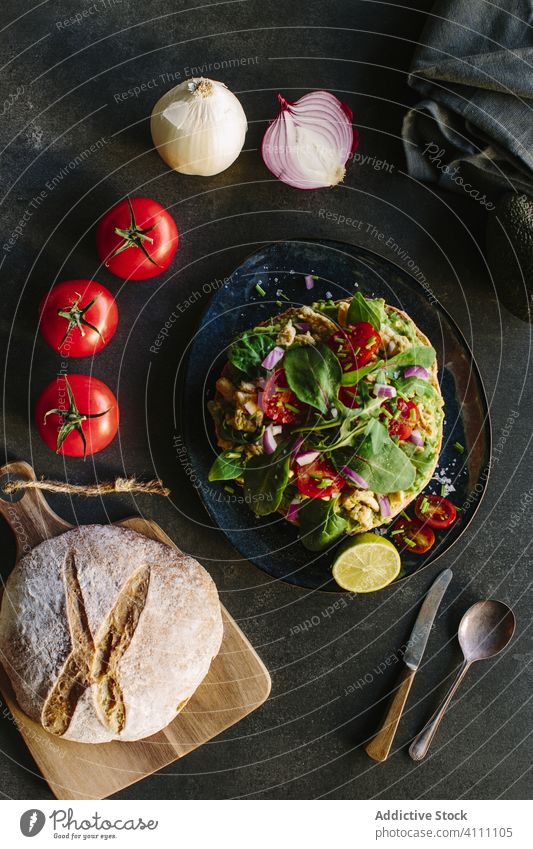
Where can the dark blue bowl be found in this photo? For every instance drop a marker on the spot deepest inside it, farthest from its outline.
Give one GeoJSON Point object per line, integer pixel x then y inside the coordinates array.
{"type": "Point", "coordinates": [272, 543]}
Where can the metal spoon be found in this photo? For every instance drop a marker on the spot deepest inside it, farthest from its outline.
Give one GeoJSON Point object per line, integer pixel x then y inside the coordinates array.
{"type": "Point", "coordinates": [485, 629]}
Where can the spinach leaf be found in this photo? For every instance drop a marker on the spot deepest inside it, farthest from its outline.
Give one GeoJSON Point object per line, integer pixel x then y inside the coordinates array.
{"type": "Point", "coordinates": [383, 465]}
{"type": "Point", "coordinates": [227, 466]}
{"type": "Point", "coordinates": [265, 478]}
{"type": "Point", "coordinates": [249, 350]}
{"type": "Point", "coordinates": [314, 374]}
{"type": "Point", "coordinates": [361, 309]}
{"type": "Point", "coordinates": [320, 525]}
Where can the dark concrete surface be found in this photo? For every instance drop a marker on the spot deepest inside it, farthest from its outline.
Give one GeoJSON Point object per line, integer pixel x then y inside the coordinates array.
{"type": "Point", "coordinates": [66, 85]}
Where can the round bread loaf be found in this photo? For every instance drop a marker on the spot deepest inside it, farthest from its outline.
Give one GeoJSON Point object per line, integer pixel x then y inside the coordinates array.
{"type": "Point", "coordinates": [105, 634]}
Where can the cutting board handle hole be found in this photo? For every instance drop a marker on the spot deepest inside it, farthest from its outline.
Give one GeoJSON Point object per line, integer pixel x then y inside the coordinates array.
{"type": "Point", "coordinates": [12, 497]}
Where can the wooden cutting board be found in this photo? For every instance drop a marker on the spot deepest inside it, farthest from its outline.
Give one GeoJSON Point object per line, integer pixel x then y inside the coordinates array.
{"type": "Point", "coordinates": [237, 683]}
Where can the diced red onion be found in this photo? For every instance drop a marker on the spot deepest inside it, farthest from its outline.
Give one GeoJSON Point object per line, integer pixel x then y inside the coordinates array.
{"type": "Point", "coordinates": [276, 429]}
{"type": "Point", "coordinates": [416, 438]}
{"type": "Point", "coordinates": [292, 512]}
{"type": "Point", "coordinates": [384, 506]}
{"type": "Point", "coordinates": [383, 390]}
{"type": "Point", "coordinates": [272, 359]}
{"type": "Point", "coordinates": [307, 457]}
{"type": "Point", "coordinates": [260, 398]}
{"type": "Point", "coordinates": [260, 382]}
{"type": "Point", "coordinates": [303, 326]}
{"type": "Point", "coordinates": [334, 412]}
{"type": "Point", "coordinates": [269, 441]}
{"type": "Point", "coordinates": [354, 477]}
{"type": "Point", "coordinates": [309, 142]}
{"type": "Point", "coordinates": [250, 407]}
{"type": "Point", "coordinates": [309, 282]}
{"type": "Point", "coordinates": [416, 371]}
{"type": "Point", "coordinates": [297, 445]}
{"type": "Point", "coordinates": [390, 347]}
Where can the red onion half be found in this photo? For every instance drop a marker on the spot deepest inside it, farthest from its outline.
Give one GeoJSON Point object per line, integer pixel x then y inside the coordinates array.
{"type": "Point", "coordinates": [272, 359]}
{"type": "Point", "coordinates": [417, 371]}
{"type": "Point", "coordinates": [309, 142]}
{"type": "Point", "coordinates": [383, 390]}
{"type": "Point", "coordinates": [269, 440]}
{"type": "Point", "coordinates": [417, 439]}
{"type": "Point", "coordinates": [354, 477]}
{"type": "Point", "coordinates": [307, 457]}
{"type": "Point", "coordinates": [292, 512]}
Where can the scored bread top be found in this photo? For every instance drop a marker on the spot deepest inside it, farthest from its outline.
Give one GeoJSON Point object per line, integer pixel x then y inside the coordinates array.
{"type": "Point", "coordinates": [105, 633]}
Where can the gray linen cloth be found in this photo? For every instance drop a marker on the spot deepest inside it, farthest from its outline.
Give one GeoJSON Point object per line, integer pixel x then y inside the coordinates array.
{"type": "Point", "coordinates": [473, 132]}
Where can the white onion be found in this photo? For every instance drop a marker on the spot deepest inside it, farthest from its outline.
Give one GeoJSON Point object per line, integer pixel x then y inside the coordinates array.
{"type": "Point", "coordinates": [198, 127]}
{"type": "Point", "coordinates": [309, 142]}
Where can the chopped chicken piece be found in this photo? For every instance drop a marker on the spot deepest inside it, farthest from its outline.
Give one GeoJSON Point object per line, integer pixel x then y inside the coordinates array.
{"type": "Point", "coordinates": [225, 388]}
{"type": "Point", "coordinates": [343, 312]}
{"type": "Point", "coordinates": [320, 324]}
{"type": "Point", "coordinates": [304, 338]}
{"type": "Point", "coordinates": [286, 335]}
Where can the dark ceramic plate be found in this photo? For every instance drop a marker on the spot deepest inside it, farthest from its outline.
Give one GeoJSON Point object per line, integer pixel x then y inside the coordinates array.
{"type": "Point", "coordinates": [279, 269]}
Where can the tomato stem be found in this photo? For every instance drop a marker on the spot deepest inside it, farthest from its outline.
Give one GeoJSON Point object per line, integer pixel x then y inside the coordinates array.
{"type": "Point", "coordinates": [76, 317]}
{"type": "Point", "coordinates": [71, 420]}
{"type": "Point", "coordinates": [134, 237]}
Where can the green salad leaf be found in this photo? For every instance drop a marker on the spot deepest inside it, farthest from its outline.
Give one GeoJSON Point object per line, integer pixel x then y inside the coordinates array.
{"type": "Point", "coordinates": [378, 460]}
{"type": "Point", "coordinates": [415, 387]}
{"type": "Point", "coordinates": [320, 525]}
{"type": "Point", "coordinates": [249, 350]}
{"type": "Point", "coordinates": [265, 478]}
{"type": "Point", "coordinates": [314, 374]}
{"type": "Point", "coordinates": [371, 311]}
{"type": "Point", "coordinates": [422, 459]}
{"type": "Point", "coordinates": [227, 466]}
{"type": "Point", "coordinates": [418, 355]}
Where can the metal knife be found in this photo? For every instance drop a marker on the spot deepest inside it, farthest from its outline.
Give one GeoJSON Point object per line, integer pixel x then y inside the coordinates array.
{"type": "Point", "coordinates": [379, 747]}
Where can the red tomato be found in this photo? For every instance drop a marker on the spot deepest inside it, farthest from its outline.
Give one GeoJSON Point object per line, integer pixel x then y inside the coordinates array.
{"type": "Point", "coordinates": [279, 401]}
{"type": "Point", "coordinates": [414, 536]}
{"type": "Point", "coordinates": [319, 479]}
{"type": "Point", "coordinates": [348, 397]}
{"type": "Point", "coordinates": [137, 239]}
{"type": "Point", "coordinates": [403, 425]}
{"type": "Point", "coordinates": [355, 345]}
{"type": "Point", "coordinates": [435, 510]}
{"type": "Point", "coordinates": [77, 415]}
{"type": "Point", "coordinates": [78, 317]}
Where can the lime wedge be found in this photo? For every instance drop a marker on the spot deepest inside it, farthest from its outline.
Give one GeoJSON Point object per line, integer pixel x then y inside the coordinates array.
{"type": "Point", "coordinates": [366, 564]}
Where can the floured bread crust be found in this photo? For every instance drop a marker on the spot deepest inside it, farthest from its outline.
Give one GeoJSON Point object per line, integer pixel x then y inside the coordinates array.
{"type": "Point", "coordinates": [105, 634]}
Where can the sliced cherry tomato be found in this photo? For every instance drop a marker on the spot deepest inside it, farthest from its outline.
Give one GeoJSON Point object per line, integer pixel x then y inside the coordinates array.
{"type": "Point", "coordinates": [77, 415]}
{"type": "Point", "coordinates": [348, 397]}
{"type": "Point", "coordinates": [413, 536]}
{"type": "Point", "coordinates": [354, 345]}
{"type": "Point", "coordinates": [319, 479]}
{"type": "Point", "coordinates": [137, 238]}
{"type": "Point", "coordinates": [279, 401]}
{"type": "Point", "coordinates": [435, 510]}
{"type": "Point", "coordinates": [78, 317]}
{"type": "Point", "coordinates": [406, 418]}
